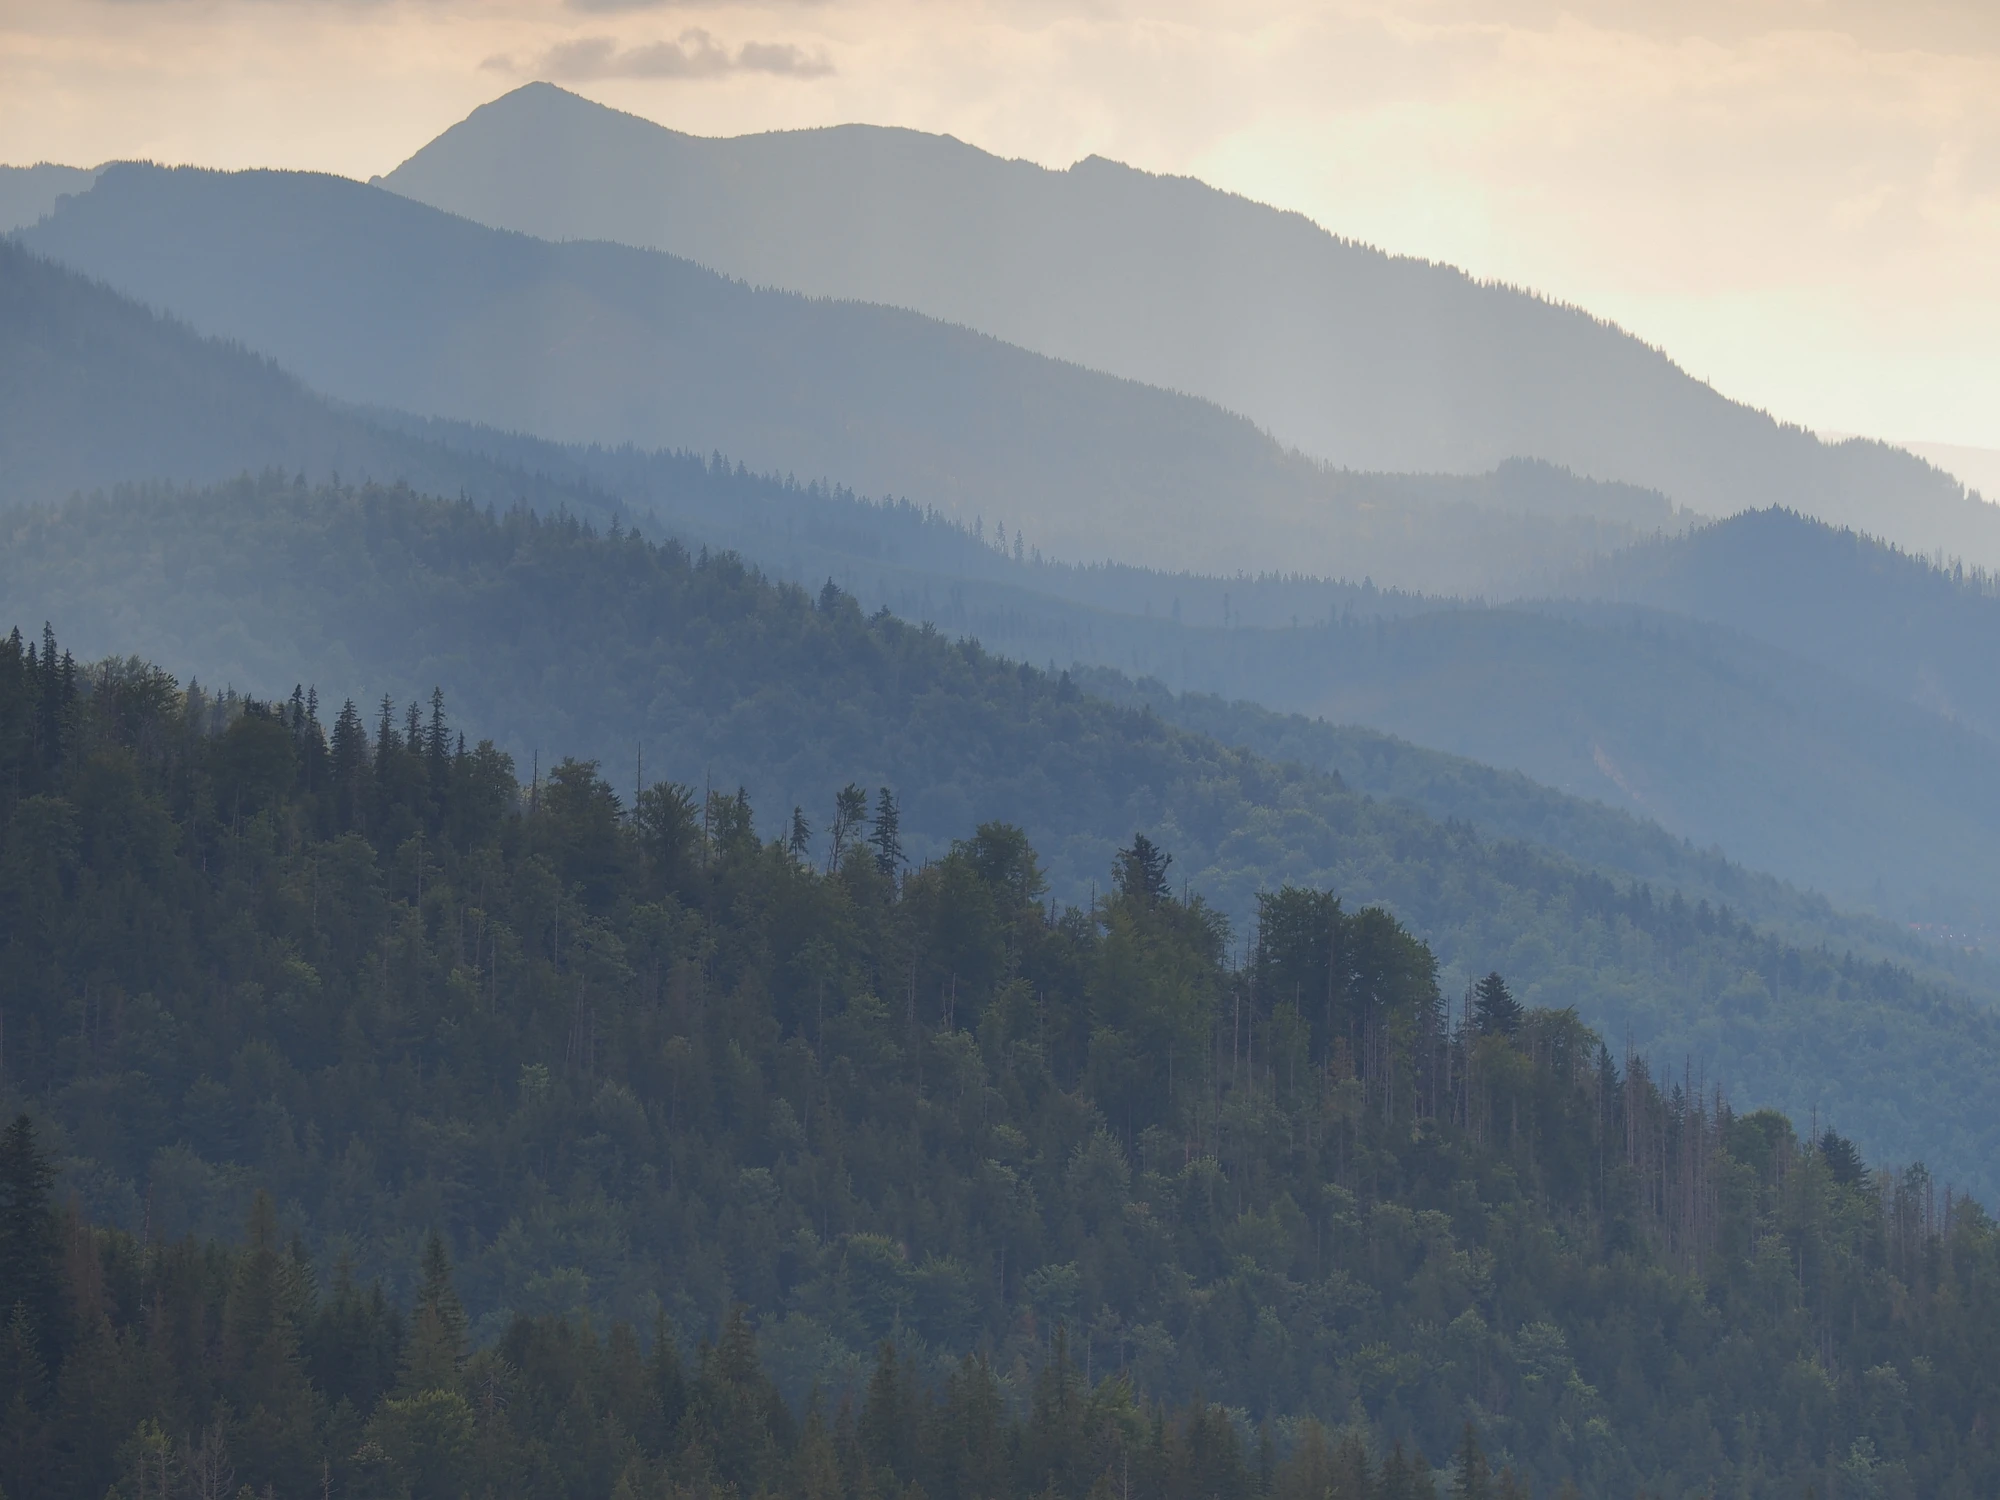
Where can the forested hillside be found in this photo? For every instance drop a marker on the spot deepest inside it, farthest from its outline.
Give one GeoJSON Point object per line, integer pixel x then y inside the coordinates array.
{"type": "Point", "coordinates": [1368, 360]}
{"type": "Point", "coordinates": [1711, 733]}
{"type": "Point", "coordinates": [621, 648]}
{"type": "Point", "coordinates": [1927, 634]}
{"type": "Point", "coordinates": [373, 298]}
{"type": "Point", "coordinates": [588, 1148]}
{"type": "Point", "coordinates": [1718, 739]}
{"type": "Point", "coordinates": [1721, 743]}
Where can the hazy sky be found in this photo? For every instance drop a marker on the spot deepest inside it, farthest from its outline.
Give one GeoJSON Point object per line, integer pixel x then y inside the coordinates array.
{"type": "Point", "coordinates": [1798, 199]}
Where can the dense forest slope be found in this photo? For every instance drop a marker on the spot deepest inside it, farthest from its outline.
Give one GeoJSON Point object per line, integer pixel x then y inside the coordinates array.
{"type": "Point", "coordinates": [618, 647]}
{"type": "Point", "coordinates": [1716, 736]}
{"type": "Point", "coordinates": [1712, 733]}
{"type": "Point", "coordinates": [373, 298]}
{"type": "Point", "coordinates": [631, 1067]}
{"type": "Point", "coordinates": [1365, 359]}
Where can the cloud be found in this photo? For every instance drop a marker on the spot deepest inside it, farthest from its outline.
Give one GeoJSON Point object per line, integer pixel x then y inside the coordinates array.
{"type": "Point", "coordinates": [695, 54]}
{"type": "Point", "coordinates": [612, 7]}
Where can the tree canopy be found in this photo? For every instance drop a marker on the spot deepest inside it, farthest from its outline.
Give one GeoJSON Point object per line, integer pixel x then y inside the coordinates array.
{"type": "Point", "coordinates": [410, 1126]}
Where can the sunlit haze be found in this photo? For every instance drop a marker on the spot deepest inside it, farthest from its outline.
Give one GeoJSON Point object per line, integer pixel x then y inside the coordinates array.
{"type": "Point", "coordinates": [1798, 199]}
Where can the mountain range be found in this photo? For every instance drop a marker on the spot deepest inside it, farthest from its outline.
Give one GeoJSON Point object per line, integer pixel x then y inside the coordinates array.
{"type": "Point", "coordinates": [1359, 358]}
{"type": "Point", "coordinates": [371, 297]}
{"type": "Point", "coordinates": [1731, 727]}
{"type": "Point", "coordinates": [824, 745]}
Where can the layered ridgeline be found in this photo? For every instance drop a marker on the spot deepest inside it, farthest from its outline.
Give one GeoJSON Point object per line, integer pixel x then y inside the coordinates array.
{"type": "Point", "coordinates": [1364, 359]}
{"type": "Point", "coordinates": [27, 193]}
{"type": "Point", "coordinates": [1863, 691]}
{"type": "Point", "coordinates": [373, 298]}
{"type": "Point", "coordinates": [96, 391]}
{"type": "Point", "coordinates": [621, 649]}
{"type": "Point", "coordinates": [1135, 1218]}
{"type": "Point", "coordinates": [1898, 623]}
{"type": "Point", "coordinates": [1723, 743]}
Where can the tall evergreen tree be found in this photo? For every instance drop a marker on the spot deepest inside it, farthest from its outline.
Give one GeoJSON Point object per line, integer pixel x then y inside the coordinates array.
{"type": "Point", "coordinates": [1842, 1160]}
{"type": "Point", "coordinates": [1471, 1478]}
{"type": "Point", "coordinates": [1142, 870]}
{"type": "Point", "coordinates": [438, 1325]}
{"type": "Point", "coordinates": [349, 768]}
{"type": "Point", "coordinates": [30, 1255]}
{"type": "Point", "coordinates": [886, 836]}
{"type": "Point", "coordinates": [1495, 1011]}
{"type": "Point", "coordinates": [850, 807]}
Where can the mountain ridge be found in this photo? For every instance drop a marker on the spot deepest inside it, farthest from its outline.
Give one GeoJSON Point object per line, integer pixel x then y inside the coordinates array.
{"type": "Point", "coordinates": [1561, 694]}
{"type": "Point", "coordinates": [375, 298]}
{"type": "Point", "coordinates": [1354, 355]}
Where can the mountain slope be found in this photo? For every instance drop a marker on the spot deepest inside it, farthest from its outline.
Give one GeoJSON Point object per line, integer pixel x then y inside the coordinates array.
{"type": "Point", "coordinates": [371, 297]}
{"type": "Point", "coordinates": [607, 646]}
{"type": "Point", "coordinates": [1713, 733]}
{"type": "Point", "coordinates": [1848, 602]}
{"type": "Point", "coordinates": [548, 1072]}
{"type": "Point", "coordinates": [1716, 740]}
{"type": "Point", "coordinates": [96, 391]}
{"type": "Point", "coordinates": [1364, 359]}
{"type": "Point", "coordinates": [27, 193]}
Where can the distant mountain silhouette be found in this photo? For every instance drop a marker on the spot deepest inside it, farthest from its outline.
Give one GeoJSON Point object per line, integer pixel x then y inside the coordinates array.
{"type": "Point", "coordinates": [374, 298]}
{"type": "Point", "coordinates": [1360, 358]}
{"type": "Point", "coordinates": [27, 193]}
{"type": "Point", "coordinates": [96, 391]}
{"type": "Point", "coordinates": [1846, 601]}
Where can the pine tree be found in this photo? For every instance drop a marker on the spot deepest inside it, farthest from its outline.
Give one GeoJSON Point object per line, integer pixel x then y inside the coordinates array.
{"type": "Point", "coordinates": [30, 1253]}
{"type": "Point", "coordinates": [437, 1328]}
{"type": "Point", "coordinates": [815, 1471]}
{"type": "Point", "coordinates": [1471, 1478]}
{"type": "Point", "coordinates": [885, 835]}
{"type": "Point", "coordinates": [886, 1421]}
{"type": "Point", "coordinates": [388, 746]}
{"type": "Point", "coordinates": [437, 752]}
{"type": "Point", "coordinates": [1843, 1162]}
{"type": "Point", "coordinates": [349, 768]}
{"type": "Point", "coordinates": [800, 839]}
{"type": "Point", "coordinates": [850, 806]}
{"type": "Point", "coordinates": [24, 1393]}
{"type": "Point", "coordinates": [1353, 1479]}
{"type": "Point", "coordinates": [1397, 1481]}
{"type": "Point", "coordinates": [57, 686]}
{"type": "Point", "coordinates": [1495, 1011]}
{"type": "Point", "coordinates": [1142, 871]}
{"type": "Point", "coordinates": [664, 1375]}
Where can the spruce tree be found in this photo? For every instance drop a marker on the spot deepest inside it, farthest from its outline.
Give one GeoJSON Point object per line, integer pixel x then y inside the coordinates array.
{"type": "Point", "coordinates": [1142, 870]}
{"type": "Point", "coordinates": [885, 1420]}
{"type": "Point", "coordinates": [30, 1255]}
{"type": "Point", "coordinates": [885, 836]}
{"type": "Point", "coordinates": [1843, 1162]}
{"type": "Point", "coordinates": [1471, 1478]}
{"type": "Point", "coordinates": [437, 1328]}
{"type": "Point", "coordinates": [1495, 1011]}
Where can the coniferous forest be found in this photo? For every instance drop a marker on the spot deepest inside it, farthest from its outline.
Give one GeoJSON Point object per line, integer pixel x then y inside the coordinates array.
{"type": "Point", "coordinates": [556, 639]}
{"type": "Point", "coordinates": [390, 1119]}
